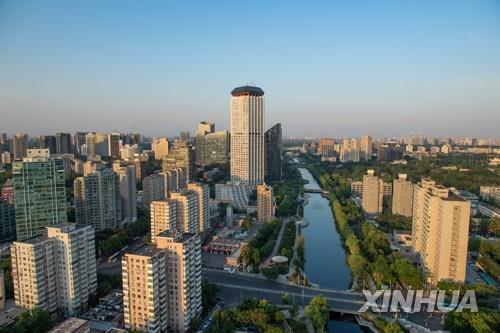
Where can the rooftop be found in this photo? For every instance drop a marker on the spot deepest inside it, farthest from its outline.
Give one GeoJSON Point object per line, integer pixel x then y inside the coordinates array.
{"type": "Point", "coordinates": [69, 325]}
{"type": "Point", "coordinates": [247, 90]}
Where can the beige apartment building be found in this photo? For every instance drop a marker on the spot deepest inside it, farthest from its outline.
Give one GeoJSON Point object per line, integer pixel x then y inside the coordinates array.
{"type": "Point", "coordinates": [187, 210]}
{"type": "Point", "coordinates": [366, 147]}
{"type": "Point", "coordinates": [162, 284]}
{"type": "Point", "coordinates": [203, 193]}
{"type": "Point", "coordinates": [326, 147]}
{"type": "Point", "coordinates": [247, 136]}
{"type": "Point", "coordinates": [265, 203]}
{"type": "Point", "coordinates": [374, 192]}
{"type": "Point", "coordinates": [402, 196]}
{"type": "Point", "coordinates": [163, 217]}
{"type": "Point", "coordinates": [440, 231]}
{"type": "Point", "coordinates": [160, 148]}
{"type": "Point", "coordinates": [55, 271]}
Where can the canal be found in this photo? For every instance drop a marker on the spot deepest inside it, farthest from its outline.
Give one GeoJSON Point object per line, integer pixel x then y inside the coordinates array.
{"type": "Point", "coordinates": [325, 257]}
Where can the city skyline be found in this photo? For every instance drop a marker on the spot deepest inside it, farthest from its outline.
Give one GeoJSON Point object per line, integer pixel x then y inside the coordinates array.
{"type": "Point", "coordinates": [328, 70]}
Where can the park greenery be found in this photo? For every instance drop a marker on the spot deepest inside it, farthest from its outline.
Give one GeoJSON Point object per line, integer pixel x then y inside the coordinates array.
{"type": "Point", "coordinates": [261, 246]}
{"type": "Point", "coordinates": [252, 314]}
{"type": "Point", "coordinates": [6, 267]}
{"type": "Point", "coordinates": [109, 241]}
{"type": "Point", "coordinates": [288, 191]}
{"type": "Point", "coordinates": [317, 310]}
{"type": "Point", "coordinates": [489, 260]}
{"type": "Point", "coordinates": [33, 321]}
{"type": "Point", "coordinates": [288, 241]}
{"type": "Point", "coordinates": [483, 321]}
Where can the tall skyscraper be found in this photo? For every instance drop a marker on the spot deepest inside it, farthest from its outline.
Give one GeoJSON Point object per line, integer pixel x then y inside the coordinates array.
{"type": "Point", "coordinates": [440, 231]}
{"type": "Point", "coordinates": [402, 196]}
{"type": "Point", "coordinates": [63, 143]}
{"type": "Point", "coordinates": [160, 148]}
{"type": "Point", "coordinates": [216, 148]}
{"type": "Point", "coordinates": [162, 283]}
{"type": "Point", "coordinates": [273, 153]}
{"type": "Point", "coordinates": [19, 145]}
{"type": "Point", "coordinates": [114, 145]}
{"type": "Point", "coordinates": [128, 192]}
{"type": "Point", "coordinates": [57, 271]}
{"type": "Point", "coordinates": [48, 142]}
{"type": "Point", "coordinates": [203, 193]}
{"type": "Point", "coordinates": [265, 203]}
{"type": "Point", "coordinates": [247, 136]}
{"type": "Point", "coordinates": [40, 195]}
{"type": "Point", "coordinates": [97, 200]}
{"type": "Point", "coordinates": [187, 210]}
{"type": "Point", "coordinates": [181, 156]}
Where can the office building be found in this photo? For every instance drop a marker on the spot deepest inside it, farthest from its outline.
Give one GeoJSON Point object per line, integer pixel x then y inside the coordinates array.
{"type": "Point", "coordinates": [97, 144]}
{"type": "Point", "coordinates": [235, 194]}
{"type": "Point", "coordinates": [128, 192]}
{"type": "Point", "coordinates": [187, 210]}
{"type": "Point", "coordinates": [19, 145]}
{"type": "Point", "coordinates": [80, 141]}
{"type": "Point", "coordinates": [402, 197]}
{"type": "Point", "coordinates": [349, 152]}
{"type": "Point", "coordinates": [163, 216]}
{"type": "Point", "coordinates": [40, 195]}
{"type": "Point", "coordinates": [366, 147]}
{"type": "Point", "coordinates": [203, 193]}
{"type": "Point", "coordinates": [160, 148]}
{"type": "Point", "coordinates": [374, 192]}
{"type": "Point", "coordinates": [203, 129]}
{"type": "Point", "coordinates": [247, 136]}
{"type": "Point", "coordinates": [490, 193]}
{"type": "Point", "coordinates": [48, 142]}
{"type": "Point", "coordinates": [215, 148]}
{"type": "Point", "coordinates": [162, 284]}
{"type": "Point", "coordinates": [265, 203]}
{"type": "Point", "coordinates": [273, 153]}
{"type": "Point", "coordinates": [181, 156]}
{"type": "Point", "coordinates": [128, 152]}
{"type": "Point", "coordinates": [63, 143]}
{"type": "Point", "coordinates": [55, 271]}
{"type": "Point", "coordinates": [326, 148]}
{"type": "Point", "coordinates": [97, 200]}
{"type": "Point", "coordinates": [114, 145]}
{"type": "Point", "coordinates": [440, 232]}
{"type": "Point", "coordinates": [7, 221]}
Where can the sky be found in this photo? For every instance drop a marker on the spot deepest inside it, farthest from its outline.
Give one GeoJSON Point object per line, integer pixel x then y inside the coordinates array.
{"type": "Point", "coordinates": [329, 68]}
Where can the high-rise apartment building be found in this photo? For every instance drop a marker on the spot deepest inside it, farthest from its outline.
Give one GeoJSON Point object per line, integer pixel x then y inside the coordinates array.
{"type": "Point", "coordinates": [63, 143]}
{"type": "Point", "coordinates": [187, 210]}
{"type": "Point", "coordinates": [128, 192]}
{"type": "Point", "coordinates": [181, 156]}
{"type": "Point", "coordinates": [40, 195]}
{"type": "Point", "coordinates": [203, 193]}
{"type": "Point", "coordinates": [183, 277]}
{"type": "Point", "coordinates": [402, 196]}
{"type": "Point", "coordinates": [440, 231]}
{"type": "Point", "coordinates": [55, 271]}
{"type": "Point", "coordinates": [19, 145]}
{"type": "Point", "coordinates": [273, 153]}
{"type": "Point", "coordinates": [154, 187]}
{"type": "Point", "coordinates": [375, 190]}
{"type": "Point", "coordinates": [265, 203]}
{"type": "Point", "coordinates": [162, 284]}
{"type": "Point", "coordinates": [213, 148]}
{"type": "Point", "coordinates": [163, 217]}
{"type": "Point", "coordinates": [326, 147]}
{"type": "Point", "coordinates": [247, 136]}
{"type": "Point", "coordinates": [160, 148]}
{"type": "Point", "coordinates": [145, 289]}
{"type": "Point", "coordinates": [97, 200]}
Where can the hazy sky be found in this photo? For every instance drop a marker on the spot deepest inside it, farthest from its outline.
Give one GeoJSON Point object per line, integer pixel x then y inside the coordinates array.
{"type": "Point", "coordinates": [329, 68]}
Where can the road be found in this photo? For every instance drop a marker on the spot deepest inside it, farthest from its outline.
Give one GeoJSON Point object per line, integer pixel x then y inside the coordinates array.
{"type": "Point", "coordinates": [236, 287]}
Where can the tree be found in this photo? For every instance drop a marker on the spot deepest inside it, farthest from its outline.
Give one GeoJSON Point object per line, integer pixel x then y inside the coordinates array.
{"type": "Point", "coordinates": [271, 273]}
{"type": "Point", "coordinates": [33, 321]}
{"type": "Point", "coordinates": [294, 310]}
{"type": "Point", "coordinates": [285, 298]}
{"type": "Point", "coordinates": [317, 311]}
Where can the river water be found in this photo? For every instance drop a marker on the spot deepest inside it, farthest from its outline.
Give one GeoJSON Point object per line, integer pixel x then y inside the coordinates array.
{"type": "Point", "coordinates": [325, 257]}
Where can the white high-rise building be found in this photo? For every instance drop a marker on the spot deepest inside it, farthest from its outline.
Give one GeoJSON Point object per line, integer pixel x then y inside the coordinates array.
{"type": "Point", "coordinates": [247, 136]}
{"type": "Point", "coordinates": [56, 271]}
{"type": "Point", "coordinates": [128, 192]}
